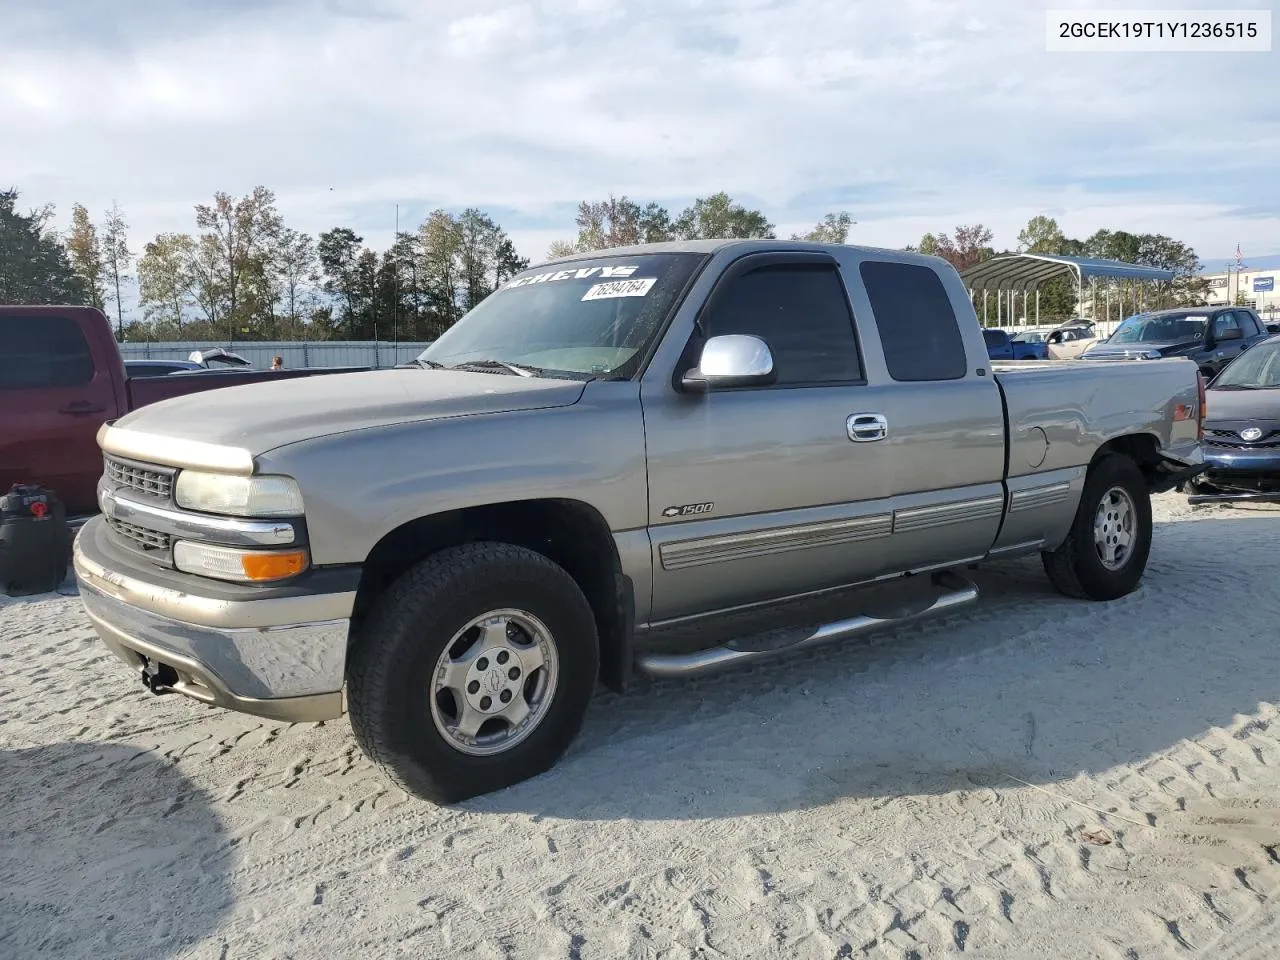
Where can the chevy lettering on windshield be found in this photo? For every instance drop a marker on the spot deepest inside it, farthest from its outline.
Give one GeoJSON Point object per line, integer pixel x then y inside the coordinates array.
{"type": "Point", "coordinates": [582, 273]}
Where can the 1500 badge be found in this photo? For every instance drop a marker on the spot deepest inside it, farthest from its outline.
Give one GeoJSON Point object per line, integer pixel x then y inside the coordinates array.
{"type": "Point", "coordinates": [689, 510]}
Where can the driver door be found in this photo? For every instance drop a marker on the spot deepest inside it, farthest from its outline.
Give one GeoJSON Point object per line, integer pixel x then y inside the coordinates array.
{"type": "Point", "coordinates": [757, 492]}
{"type": "Point", "coordinates": [1226, 340]}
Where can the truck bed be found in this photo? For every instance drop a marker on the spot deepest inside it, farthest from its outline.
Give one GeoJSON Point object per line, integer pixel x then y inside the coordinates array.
{"type": "Point", "coordinates": [1059, 411]}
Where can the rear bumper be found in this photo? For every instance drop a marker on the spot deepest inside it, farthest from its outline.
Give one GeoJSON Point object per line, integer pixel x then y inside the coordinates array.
{"type": "Point", "coordinates": [282, 658]}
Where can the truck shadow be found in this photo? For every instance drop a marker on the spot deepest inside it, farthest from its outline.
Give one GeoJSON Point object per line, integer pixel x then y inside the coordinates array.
{"type": "Point", "coordinates": [1025, 684]}
{"type": "Point", "coordinates": [108, 851]}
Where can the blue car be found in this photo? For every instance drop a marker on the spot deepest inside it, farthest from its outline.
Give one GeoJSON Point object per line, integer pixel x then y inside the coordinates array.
{"type": "Point", "coordinates": [1242, 430]}
{"type": "Point", "coordinates": [1021, 346]}
{"type": "Point", "coordinates": [1029, 345]}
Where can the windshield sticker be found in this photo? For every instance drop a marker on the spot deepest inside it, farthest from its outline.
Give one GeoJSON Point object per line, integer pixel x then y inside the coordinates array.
{"type": "Point", "coordinates": [620, 288]}
{"type": "Point", "coordinates": [581, 273]}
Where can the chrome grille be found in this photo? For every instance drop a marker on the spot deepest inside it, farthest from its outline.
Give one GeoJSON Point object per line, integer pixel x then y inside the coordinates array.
{"type": "Point", "coordinates": [140, 537]}
{"type": "Point", "coordinates": [152, 483]}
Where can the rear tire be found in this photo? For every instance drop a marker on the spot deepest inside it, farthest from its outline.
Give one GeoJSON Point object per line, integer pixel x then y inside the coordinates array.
{"type": "Point", "coordinates": [1105, 553]}
{"type": "Point", "coordinates": [465, 627]}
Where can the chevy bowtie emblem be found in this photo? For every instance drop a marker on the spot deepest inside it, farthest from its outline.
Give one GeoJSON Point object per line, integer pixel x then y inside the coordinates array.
{"type": "Point", "coordinates": [1250, 434]}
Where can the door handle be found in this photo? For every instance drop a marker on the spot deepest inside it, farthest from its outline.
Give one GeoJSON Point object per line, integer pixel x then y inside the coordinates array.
{"type": "Point", "coordinates": [81, 406]}
{"type": "Point", "coordinates": [865, 427]}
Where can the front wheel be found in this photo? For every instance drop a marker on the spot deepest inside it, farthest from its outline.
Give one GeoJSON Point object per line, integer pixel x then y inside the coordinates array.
{"type": "Point", "coordinates": [473, 672]}
{"type": "Point", "coordinates": [1105, 553]}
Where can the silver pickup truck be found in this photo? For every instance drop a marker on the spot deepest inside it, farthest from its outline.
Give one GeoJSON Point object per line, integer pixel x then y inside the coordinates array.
{"type": "Point", "coordinates": [592, 473]}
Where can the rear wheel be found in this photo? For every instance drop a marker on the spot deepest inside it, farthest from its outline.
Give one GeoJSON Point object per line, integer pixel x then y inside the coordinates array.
{"type": "Point", "coordinates": [1105, 553]}
{"type": "Point", "coordinates": [473, 672]}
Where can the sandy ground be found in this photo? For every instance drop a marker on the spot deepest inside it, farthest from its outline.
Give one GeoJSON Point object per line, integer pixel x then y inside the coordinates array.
{"type": "Point", "coordinates": [1033, 777]}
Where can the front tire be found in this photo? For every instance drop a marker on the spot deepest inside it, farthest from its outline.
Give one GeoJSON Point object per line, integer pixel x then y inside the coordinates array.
{"type": "Point", "coordinates": [473, 672]}
{"type": "Point", "coordinates": [1105, 553]}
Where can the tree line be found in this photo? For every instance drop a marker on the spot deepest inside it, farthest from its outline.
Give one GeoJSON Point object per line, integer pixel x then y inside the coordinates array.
{"type": "Point", "coordinates": [242, 274]}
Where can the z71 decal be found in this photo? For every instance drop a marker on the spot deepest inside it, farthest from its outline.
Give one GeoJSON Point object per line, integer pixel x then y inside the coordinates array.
{"type": "Point", "coordinates": [689, 510]}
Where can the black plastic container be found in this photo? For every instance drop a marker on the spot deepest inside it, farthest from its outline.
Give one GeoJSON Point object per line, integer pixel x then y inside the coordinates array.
{"type": "Point", "coordinates": [34, 541]}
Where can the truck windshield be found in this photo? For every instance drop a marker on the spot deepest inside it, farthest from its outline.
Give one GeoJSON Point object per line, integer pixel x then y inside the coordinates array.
{"type": "Point", "coordinates": [1165, 328]}
{"type": "Point", "coordinates": [592, 317]}
{"type": "Point", "coordinates": [1256, 369]}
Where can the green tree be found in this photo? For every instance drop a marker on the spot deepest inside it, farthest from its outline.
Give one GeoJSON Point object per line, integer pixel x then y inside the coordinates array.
{"type": "Point", "coordinates": [294, 261]}
{"type": "Point", "coordinates": [440, 245]}
{"type": "Point", "coordinates": [85, 251]}
{"type": "Point", "coordinates": [116, 256]}
{"type": "Point", "coordinates": [509, 262]}
{"type": "Point", "coordinates": [832, 228]}
{"type": "Point", "coordinates": [208, 283]}
{"type": "Point", "coordinates": [167, 281]}
{"type": "Point", "coordinates": [1188, 287]}
{"type": "Point", "coordinates": [1041, 235]}
{"type": "Point", "coordinates": [339, 253]}
{"type": "Point", "coordinates": [719, 217]}
{"type": "Point", "coordinates": [1058, 295]}
{"type": "Point", "coordinates": [34, 266]}
{"type": "Point", "coordinates": [243, 231]}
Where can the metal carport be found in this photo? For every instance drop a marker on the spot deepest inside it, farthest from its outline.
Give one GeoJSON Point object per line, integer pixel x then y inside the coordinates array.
{"type": "Point", "coordinates": [1025, 272]}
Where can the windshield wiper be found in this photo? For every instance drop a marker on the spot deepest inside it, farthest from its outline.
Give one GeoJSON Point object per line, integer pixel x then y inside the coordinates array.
{"type": "Point", "coordinates": [501, 364]}
{"type": "Point", "coordinates": [429, 364]}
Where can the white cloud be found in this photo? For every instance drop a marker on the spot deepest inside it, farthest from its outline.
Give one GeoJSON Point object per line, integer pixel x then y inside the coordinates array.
{"type": "Point", "coordinates": [915, 115]}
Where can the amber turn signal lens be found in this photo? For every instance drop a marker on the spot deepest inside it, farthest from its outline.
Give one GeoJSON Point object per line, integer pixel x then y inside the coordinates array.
{"type": "Point", "coordinates": [273, 566]}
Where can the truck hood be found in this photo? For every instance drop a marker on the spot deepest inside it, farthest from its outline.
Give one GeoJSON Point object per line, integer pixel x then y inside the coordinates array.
{"type": "Point", "coordinates": [254, 418]}
{"type": "Point", "coordinates": [1136, 351]}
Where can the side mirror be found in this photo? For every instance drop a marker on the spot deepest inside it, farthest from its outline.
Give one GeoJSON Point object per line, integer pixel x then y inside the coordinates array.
{"type": "Point", "coordinates": [1231, 333]}
{"type": "Point", "coordinates": [734, 360]}
{"type": "Point", "coordinates": [1273, 328]}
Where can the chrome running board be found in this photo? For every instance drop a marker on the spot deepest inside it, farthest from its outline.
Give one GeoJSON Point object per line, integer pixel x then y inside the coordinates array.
{"type": "Point", "coordinates": [956, 591]}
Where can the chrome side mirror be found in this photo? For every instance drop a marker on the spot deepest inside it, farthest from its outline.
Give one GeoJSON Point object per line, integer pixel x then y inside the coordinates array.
{"type": "Point", "coordinates": [734, 360]}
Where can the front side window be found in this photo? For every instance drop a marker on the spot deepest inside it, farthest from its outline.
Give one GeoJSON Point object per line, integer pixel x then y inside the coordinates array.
{"type": "Point", "coordinates": [1226, 327]}
{"type": "Point", "coordinates": [581, 319]}
{"type": "Point", "coordinates": [42, 352]}
{"type": "Point", "coordinates": [800, 310]}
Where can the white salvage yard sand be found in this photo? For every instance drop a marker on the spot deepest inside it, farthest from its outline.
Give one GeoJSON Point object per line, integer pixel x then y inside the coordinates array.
{"type": "Point", "coordinates": [930, 793]}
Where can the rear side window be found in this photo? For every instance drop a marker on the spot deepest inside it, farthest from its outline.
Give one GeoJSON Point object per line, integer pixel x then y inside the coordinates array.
{"type": "Point", "coordinates": [801, 312]}
{"type": "Point", "coordinates": [917, 326]}
{"type": "Point", "coordinates": [43, 351]}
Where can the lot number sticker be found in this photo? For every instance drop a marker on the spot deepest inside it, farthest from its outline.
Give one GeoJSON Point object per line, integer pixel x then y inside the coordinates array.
{"type": "Point", "coordinates": [620, 288]}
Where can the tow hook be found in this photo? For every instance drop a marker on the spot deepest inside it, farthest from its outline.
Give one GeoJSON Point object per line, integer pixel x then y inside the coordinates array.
{"type": "Point", "coordinates": [158, 677]}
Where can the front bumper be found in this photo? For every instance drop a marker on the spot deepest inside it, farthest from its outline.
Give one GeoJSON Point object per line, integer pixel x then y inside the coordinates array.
{"type": "Point", "coordinates": [281, 657]}
{"type": "Point", "coordinates": [1238, 475]}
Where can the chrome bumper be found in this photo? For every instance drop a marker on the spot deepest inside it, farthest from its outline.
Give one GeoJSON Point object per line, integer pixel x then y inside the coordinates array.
{"type": "Point", "coordinates": [282, 658]}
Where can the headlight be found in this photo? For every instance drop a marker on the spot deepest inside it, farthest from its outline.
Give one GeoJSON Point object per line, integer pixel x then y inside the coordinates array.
{"type": "Point", "coordinates": [239, 496]}
{"type": "Point", "coordinates": [231, 563]}
{"type": "Point", "coordinates": [1154, 355]}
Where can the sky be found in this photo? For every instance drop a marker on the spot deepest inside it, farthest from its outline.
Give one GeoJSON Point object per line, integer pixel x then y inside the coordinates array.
{"type": "Point", "coordinates": [915, 115]}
